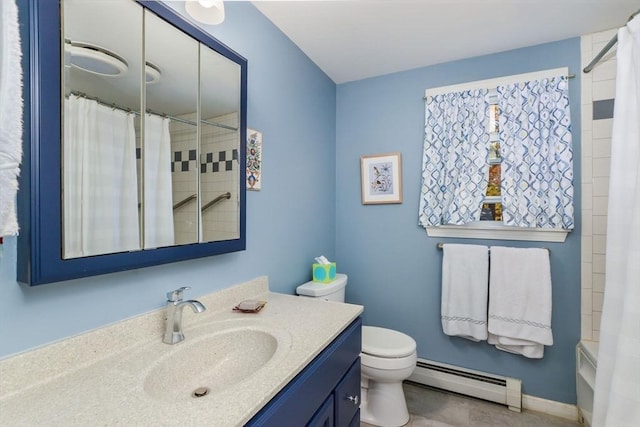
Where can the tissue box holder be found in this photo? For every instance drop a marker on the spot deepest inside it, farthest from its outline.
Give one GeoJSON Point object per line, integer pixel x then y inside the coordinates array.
{"type": "Point", "coordinates": [324, 273]}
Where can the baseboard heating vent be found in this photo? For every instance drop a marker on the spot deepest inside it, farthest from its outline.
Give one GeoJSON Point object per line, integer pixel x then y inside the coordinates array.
{"type": "Point", "coordinates": [494, 388]}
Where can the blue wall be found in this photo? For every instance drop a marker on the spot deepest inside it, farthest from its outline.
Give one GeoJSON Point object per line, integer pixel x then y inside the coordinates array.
{"type": "Point", "coordinates": [293, 103]}
{"type": "Point", "coordinates": [310, 205]}
{"type": "Point", "coordinates": [394, 268]}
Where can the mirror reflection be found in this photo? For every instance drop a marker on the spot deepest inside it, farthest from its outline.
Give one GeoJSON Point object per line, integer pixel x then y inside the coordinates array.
{"type": "Point", "coordinates": [167, 177]}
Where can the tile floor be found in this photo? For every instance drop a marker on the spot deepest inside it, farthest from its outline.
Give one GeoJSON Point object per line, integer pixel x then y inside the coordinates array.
{"type": "Point", "coordinates": [435, 408]}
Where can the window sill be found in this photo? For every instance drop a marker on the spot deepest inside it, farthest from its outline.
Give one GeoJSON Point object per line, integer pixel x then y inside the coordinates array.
{"type": "Point", "coordinates": [495, 231]}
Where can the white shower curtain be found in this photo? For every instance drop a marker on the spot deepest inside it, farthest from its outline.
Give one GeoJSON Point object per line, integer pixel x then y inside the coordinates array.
{"type": "Point", "coordinates": [158, 194]}
{"type": "Point", "coordinates": [10, 115]}
{"type": "Point", "coordinates": [100, 180]}
{"type": "Point", "coordinates": [617, 389]}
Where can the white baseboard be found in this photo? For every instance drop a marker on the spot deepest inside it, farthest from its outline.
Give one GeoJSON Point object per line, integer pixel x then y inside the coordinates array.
{"type": "Point", "coordinates": [550, 407]}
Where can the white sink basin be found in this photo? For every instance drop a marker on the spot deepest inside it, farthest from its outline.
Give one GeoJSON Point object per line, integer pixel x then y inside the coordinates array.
{"type": "Point", "coordinates": [209, 362]}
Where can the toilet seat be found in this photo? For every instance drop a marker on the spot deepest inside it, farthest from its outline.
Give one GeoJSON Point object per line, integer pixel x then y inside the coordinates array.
{"type": "Point", "coordinates": [386, 343]}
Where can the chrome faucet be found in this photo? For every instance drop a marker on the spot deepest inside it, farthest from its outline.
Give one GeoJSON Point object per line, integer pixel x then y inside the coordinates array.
{"type": "Point", "coordinates": [173, 330]}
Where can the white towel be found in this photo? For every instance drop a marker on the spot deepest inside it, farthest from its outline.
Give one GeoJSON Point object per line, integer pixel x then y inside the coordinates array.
{"type": "Point", "coordinates": [465, 276]}
{"type": "Point", "coordinates": [10, 115]}
{"type": "Point", "coordinates": [520, 300]}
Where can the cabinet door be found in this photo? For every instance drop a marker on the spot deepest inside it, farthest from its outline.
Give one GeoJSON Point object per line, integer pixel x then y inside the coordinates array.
{"type": "Point", "coordinates": [347, 395]}
{"type": "Point", "coordinates": [324, 416]}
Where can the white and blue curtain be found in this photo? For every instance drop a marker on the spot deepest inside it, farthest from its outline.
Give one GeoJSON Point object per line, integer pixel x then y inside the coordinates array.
{"type": "Point", "coordinates": [456, 146]}
{"type": "Point", "coordinates": [537, 165]}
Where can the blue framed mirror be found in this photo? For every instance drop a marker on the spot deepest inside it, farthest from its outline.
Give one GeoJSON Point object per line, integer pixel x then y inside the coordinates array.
{"type": "Point", "coordinates": [166, 183]}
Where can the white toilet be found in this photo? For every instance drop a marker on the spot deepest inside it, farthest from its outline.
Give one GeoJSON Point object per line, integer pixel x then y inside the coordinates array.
{"type": "Point", "coordinates": [388, 357]}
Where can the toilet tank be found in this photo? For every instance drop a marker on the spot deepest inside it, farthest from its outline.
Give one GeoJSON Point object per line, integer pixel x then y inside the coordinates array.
{"type": "Point", "coordinates": [332, 291]}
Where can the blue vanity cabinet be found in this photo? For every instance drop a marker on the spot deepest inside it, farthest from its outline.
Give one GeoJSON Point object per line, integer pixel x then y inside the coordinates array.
{"type": "Point", "coordinates": [326, 393]}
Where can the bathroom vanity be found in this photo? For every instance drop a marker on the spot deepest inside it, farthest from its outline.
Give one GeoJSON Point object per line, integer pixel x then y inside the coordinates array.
{"type": "Point", "coordinates": [326, 393]}
{"type": "Point", "coordinates": [295, 362]}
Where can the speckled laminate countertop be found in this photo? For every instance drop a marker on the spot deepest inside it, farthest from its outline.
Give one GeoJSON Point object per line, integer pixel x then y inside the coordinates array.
{"type": "Point", "coordinates": [115, 375]}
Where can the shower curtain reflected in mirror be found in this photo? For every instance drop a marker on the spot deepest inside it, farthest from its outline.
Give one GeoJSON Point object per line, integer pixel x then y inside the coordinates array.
{"type": "Point", "coordinates": [158, 194]}
{"type": "Point", "coordinates": [100, 180]}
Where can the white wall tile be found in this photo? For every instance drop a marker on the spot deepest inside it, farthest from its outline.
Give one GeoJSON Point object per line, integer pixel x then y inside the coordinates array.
{"type": "Point", "coordinates": [586, 327]}
{"type": "Point", "coordinates": [602, 128]}
{"type": "Point", "coordinates": [597, 316]}
{"type": "Point", "coordinates": [587, 115]}
{"type": "Point", "coordinates": [587, 275]}
{"type": "Point", "coordinates": [587, 143]}
{"type": "Point", "coordinates": [587, 248]}
{"type": "Point", "coordinates": [601, 148]}
{"type": "Point", "coordinates": [587, 172]}
{"type": "Point", "coordinates": [587, 196]}
{"type": "Point", "coordinates": [605, 89]}
{"type": "Point", "coordinates": [599, 263]}
{"type": "Point", "coordinates": [587, 223]}
{"type": "Point", "coordinates": [601, 186]}
{"type": "Point", "coordinates": [587, 301]}
{"type": "Point", "coordinates": [586, 89]}
{"type": "Point", "coordinates": [598, 282]}
{"type": "Point", "coordinates": [602, 37]}
{"type": "Point", "coordinates": [595, 158]}
{"type": "Point", "coordinates": [605, 70]}
{"type": "Point", "coordinates": [601, 166]}
{"type": "Point", "coordinates": [600, 205]}
{"type": "Point", "coordinates": [599, 224]}
{"type": "Point", "coordinates": [599, 244]}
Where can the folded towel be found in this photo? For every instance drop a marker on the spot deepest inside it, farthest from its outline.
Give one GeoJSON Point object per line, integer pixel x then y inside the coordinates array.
{"type": "Point", "coordinates": [10, 115]}
{"type": "Point", "coordinates": [520, 300]}
{"type": "Point", "coordinates": [465, 275]}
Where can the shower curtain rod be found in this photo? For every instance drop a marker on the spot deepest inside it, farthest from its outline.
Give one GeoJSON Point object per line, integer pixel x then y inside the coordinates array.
{"type": "Point", "coordinates": [605, 49]}
{"type": "Point", "coordinates": [174, 118]}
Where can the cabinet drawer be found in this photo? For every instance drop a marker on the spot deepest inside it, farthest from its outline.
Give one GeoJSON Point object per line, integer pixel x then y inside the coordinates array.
{"type": "Point", "coordinates": [347, 396]}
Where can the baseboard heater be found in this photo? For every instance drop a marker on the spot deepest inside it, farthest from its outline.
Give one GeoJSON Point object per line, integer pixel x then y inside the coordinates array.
{"type": "Point", "coordinates": [494, 388]}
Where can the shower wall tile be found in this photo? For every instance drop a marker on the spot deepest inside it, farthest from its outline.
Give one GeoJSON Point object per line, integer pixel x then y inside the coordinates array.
{"type": "Point", "coordinates": [602, 148]}
{"type": "Point", "coordinates": [600, 205]}
{"type": "Point", "coordinates": [604, 89]}
{"type": "Point", "coordinates": [605, 71]}
{"type": "Point", "coordinates": [586, 326]}
{"type": "Point", "coordinates": [599, 224]}
{"type": "Point", "coordinates": [598, 93]}
{"type": "Point", "coordinates": [601, 186]}
{"type": "Point", "coordinates": [602, 128]}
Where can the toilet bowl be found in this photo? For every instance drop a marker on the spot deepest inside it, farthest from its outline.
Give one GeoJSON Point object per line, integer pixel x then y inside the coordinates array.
{"type": "Point", "coordinates": [388, 357]}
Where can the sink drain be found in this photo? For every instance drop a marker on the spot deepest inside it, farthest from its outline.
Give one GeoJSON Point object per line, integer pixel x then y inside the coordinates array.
{"type": "Point", "coordinates": [200, 392]}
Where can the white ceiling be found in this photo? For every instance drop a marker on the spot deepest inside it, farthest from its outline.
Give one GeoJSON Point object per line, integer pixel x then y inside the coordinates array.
{"type": "Point", "coordinates": [353, 40]}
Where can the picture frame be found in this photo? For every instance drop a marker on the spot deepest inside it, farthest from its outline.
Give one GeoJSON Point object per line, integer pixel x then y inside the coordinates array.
{"type": "Point", "coordinates": [254, 160]}
{"type": "Point", "coordinates": [381, 178]}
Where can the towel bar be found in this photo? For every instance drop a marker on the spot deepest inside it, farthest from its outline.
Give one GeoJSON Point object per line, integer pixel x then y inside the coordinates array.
{"type": "Point", "coordinates": [440, 245]}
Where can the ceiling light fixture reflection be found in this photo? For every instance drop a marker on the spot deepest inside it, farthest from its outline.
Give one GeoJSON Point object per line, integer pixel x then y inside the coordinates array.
{"type": "Point", "coordinates": [206, 11]}
{"type": "Point", "coordinates": [94, 59]}
{"type": "Point", "coordinates": [152, 73]}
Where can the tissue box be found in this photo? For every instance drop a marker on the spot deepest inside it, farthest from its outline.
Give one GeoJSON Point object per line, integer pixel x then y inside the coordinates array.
{"type": "Point", "coordinates": [324, 273]}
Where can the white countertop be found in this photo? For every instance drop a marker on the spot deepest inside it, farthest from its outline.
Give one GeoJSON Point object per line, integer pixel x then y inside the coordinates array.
{"type": "Point", "coordinates": [98, 378]}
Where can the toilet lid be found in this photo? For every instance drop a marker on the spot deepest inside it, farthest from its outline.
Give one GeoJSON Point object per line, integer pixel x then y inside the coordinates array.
{"type": "Point", "coordinates": [383, 342]}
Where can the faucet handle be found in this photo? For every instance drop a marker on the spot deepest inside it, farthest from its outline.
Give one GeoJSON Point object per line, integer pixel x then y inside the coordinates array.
{"type": "Point", "coordinates": [176, 295]}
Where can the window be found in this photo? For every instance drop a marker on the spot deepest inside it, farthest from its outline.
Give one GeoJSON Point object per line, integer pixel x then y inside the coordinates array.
{"type": "Point", "coordinates": [497, 159]}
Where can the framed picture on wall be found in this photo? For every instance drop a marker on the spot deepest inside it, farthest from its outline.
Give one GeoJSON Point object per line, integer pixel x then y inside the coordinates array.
{"type": "Point", "coordinates": [381, 178]}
